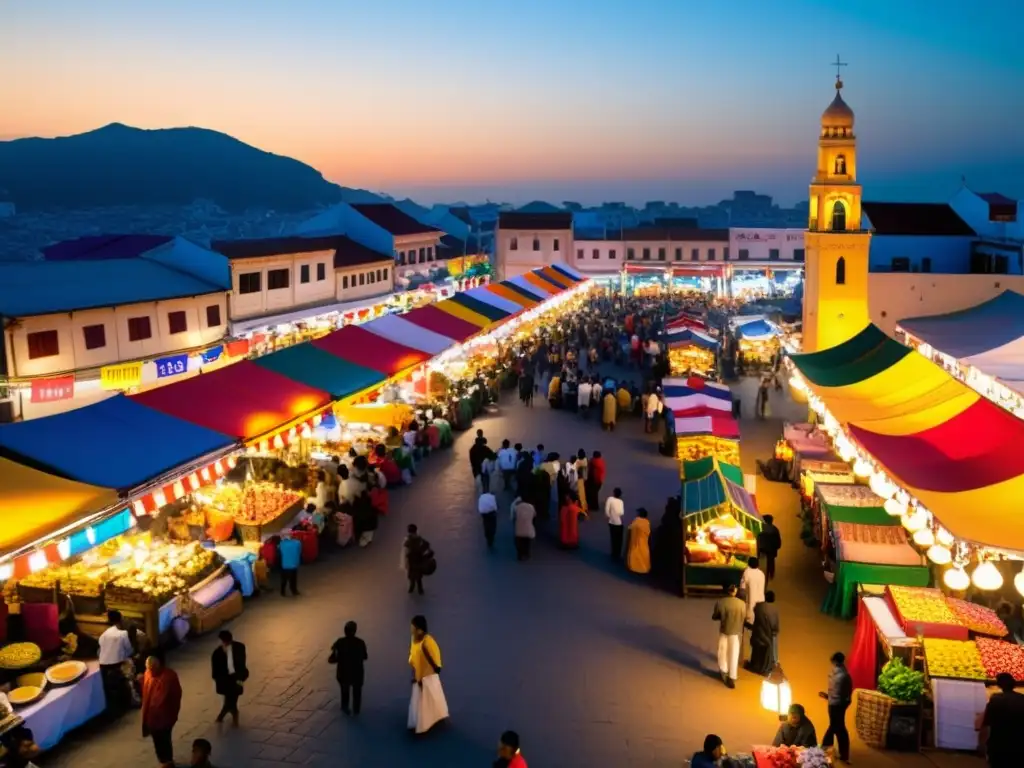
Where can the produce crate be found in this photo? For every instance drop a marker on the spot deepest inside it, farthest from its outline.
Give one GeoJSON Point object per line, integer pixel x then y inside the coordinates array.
{"type": "Point", "coordinates": [260, 531]}
{"type": "Point", "coordinates": [936, 630]}
{"type": "Point", "coordinates": [28, 594]}
{"type": "Point", "coordinates": [91, 605]}
{"type": "Point", "coordinates": [203, 620]}
{"type": "Point", "coordinates": [872, 718]}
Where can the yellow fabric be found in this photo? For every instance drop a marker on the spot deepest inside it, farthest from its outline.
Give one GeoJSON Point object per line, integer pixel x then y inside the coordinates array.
{"type": "Point", "coordinates": [418, 659]}
{"type": "Point", "coordinates": [638, 556]}
{"type": "Point", "coordinates": [554, 387]}
{"type": "Point", "coordinates": [625, 399]}
{"type": "Point", "coordinates": [608, 409]}
{"type": "Point", "coordinates": [395, 415]}
{"type": "Point", "coordinates": [507, 293]}
{"type": "Point", "coordinates": [543, 286]}
{"type": "Point", "coordinates": [462, 312]}
{"type": "Point", "coordinates": [34, 503]}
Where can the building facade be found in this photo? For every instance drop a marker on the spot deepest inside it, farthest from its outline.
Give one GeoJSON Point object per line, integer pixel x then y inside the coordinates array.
{"type": "Point", "coordinates": [526, 241]}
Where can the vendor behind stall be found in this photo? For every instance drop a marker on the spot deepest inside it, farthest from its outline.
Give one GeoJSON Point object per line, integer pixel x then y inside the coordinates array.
{"type": "Point", "coordinates": [797, 730]}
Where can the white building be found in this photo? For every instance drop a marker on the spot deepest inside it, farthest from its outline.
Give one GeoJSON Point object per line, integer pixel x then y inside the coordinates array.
{"type": "Point", "coordinates": [765, 245]}
{"type": "Point", "coordinates": [527, 241]}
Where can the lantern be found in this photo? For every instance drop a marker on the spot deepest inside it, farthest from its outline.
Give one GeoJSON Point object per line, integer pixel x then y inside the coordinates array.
{"type": "Point", "coordinates": [861, 468]}
{"type": "Point", "coordinates": [1018, 582]}
{"type": "Point", "coordinates": [944, 537]}
{"type": "Point", "coordinates": [894, 508]}
{"type": "Point", "coordinates": [776, 694]}
{"type": "Point", "coordinates": [956, 578]}
{"type": "Point", "coordinates": [880, 486]}
{"type": "Point", "coordinates": [924, 538]}
{"type": "Point", "coordinates": [987, 577]}
{"type": "Point", "coordinates": [915, 521]}
{"type": "Point", "coordinates": [939, 555]}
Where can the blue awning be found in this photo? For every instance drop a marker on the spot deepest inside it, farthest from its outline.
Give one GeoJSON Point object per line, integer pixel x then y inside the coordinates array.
{"type": "Point", "coordinates": [115, 443]}
{"type": "Point", "coordinates": [756, 329]}
{"type": "Point", "coordinates": [969, 332]}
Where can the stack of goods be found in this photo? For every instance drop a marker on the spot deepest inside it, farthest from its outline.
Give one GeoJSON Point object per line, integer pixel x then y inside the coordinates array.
{"type": "Point", "coordinates": [977, 618]}
{"type": "Point", "coordinates": [695, 447]}
{"type": "Point", "coordinates": [790, 757]}
{"type": "Point", "coordinates": [165, 573]}
{"type": "Point", "coordinates": [957, 659]}
{"type": "Point", "coordinates": [717, 542]}
{"type": "Point", "coordinates": [255, 505]}
{"type": "Point", "coordinates": [998, 656]}
{"type": "Point", "coordinates": [19, 655]}
{"type": "Point", "coordinates": [924, 611]}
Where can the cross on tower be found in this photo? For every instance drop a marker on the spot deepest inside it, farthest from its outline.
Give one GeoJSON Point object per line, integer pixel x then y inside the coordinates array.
{"type": "Point", "coordinates": [838, 64]}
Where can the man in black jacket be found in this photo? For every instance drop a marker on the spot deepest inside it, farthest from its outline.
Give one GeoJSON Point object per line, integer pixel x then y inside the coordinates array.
{"type": "Point", "coordinates": [229, 672]}
{"type": "Point", "coordinates": [769, 542]}
{"type": "Point", "coordinates": [349, 654]}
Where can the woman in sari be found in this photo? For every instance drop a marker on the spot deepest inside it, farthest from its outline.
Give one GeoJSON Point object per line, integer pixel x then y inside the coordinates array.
{"type": "Point", "coordinates": [608, 412]}
{"type": "Point", "coordinates": [568, 523]}
{"type": "Point", "coordinates": [427, 705]}
{"type": "Point", "coordinates": [638, 554]}
{"type": "Point", "coordinates": [581, 480]}
{"type": "Point", "coordinates": [764, 636]}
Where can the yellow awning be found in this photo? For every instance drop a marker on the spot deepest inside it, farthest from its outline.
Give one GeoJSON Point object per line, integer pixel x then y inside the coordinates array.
{"type": "Point", "coordinates": [34, 503]}
{"type": "Point", "coordinates": [452, 308]}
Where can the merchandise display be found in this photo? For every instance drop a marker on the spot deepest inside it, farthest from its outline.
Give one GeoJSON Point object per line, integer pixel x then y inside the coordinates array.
{"type": "Point", "coordinates": [958, 659]}
{"type": "Point", "coordinates": [977, 618]}
{"type": "Point", "coordinates": [24, 695]}
{"type": "Point", "coordinates": [19, 655]}
{"type": "Point", "coordinates": [998, 656]}
{"type": "Point", "coordinates": [162, 573]}
{"type": "Point", "coordinates": [928, 608]}
{"type": "Point", "coordinates": [719, 541]}
{"type": "Point", "coordinates": [253, 503]}
{"type": "Point", "coordinates": [66, 672]}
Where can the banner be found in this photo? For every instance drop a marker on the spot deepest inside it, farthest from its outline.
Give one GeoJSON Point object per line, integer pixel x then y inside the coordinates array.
{"type": "Point", "coordinates": [52, 390]}
{"type": "Point", "coordinates": [171, 366]}
{"type": "Point", "coordinates": [238, 348]}
{"type": "Point", "coordinates": [123, 376]}
{"type": "Point", "coordinates": [212, 354]}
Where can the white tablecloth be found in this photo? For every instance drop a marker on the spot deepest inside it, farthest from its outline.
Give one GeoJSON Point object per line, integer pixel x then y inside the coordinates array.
{"type": "Point", "coordinates": [61, 710]}
{"type": "Point", "coordinates": [957, 703]}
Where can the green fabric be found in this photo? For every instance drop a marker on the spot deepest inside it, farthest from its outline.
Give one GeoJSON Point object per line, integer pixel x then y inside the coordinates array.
{"type": "Point", "coordinates": [695, 470]}
{"type": "Point", "coordinates": [321, 370]}
{"type": "Point", "coordinates": [865, 355]}
{"type": "Point", "coordinates": [865, 515]}
{"type": "Point", "coordinates": [709, 575]}
{"type": "Point", "coordinates": [731, 472]}
{"type": "Point", "coordinates": [841, 600]}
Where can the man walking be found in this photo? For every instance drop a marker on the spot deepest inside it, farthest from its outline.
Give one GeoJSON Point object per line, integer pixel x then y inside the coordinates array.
{"type": "Point", "coordinates": [730, 613]}
{"type": "Point", "coordinates": [229, 672]}
{"type": "Point", "coordinates": [115, 649]}
{"type": "Point", "coordinates": [349, 654]}
{"type": "Point", "coordinates": [614, 509]}
{"type": "Point", "coordinates": [507, 457]}
{"type": "Point", "coordinates": [839, 696]}
{"type": "Point", "coordinates": [418, 559]}
{"type": "Point", "coordinates": [523, 514]}
{"type": "Point", "coordinates": [487, 506]}
{"type": "Point", "coordinates": [1001, 724]}
{"type": "Point", "coordinates": [769, 542]}
{"type": "Point", "coordinates": [289, 552]}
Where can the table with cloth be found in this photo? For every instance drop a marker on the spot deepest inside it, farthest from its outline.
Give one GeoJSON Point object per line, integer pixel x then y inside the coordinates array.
{"type": "Point", "coordinates": [62, 709]}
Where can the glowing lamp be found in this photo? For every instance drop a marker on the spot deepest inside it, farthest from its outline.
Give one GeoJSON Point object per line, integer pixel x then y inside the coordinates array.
{"type": "Point", "coordinates": [956, 578]}
{"type": "Point", "coordinates": [924, 538]}
{"type": "Point", "coordinates": [987, 577]}
{"type": "Point", "coordinates": [846, 452]}
{"type": "Point", "coordinates": [64, 548]}
{"type": "Point", "coordinates": [939, 554]}
{"type": "Point", "coordinates": [37, 561]}
{"type": "Point", "coordinates": [6, 571]}
{"type": "Point", "coordinates": [776, 694]}
{"type": "Point", "coordinates": [90, 535]}
{"type": "Point", "coordinates": [915, 521]}
{"type": "Point", "coordinates": [880, 486]}
{"type": "Point", "coordinates": [1018, 582]}
{"type": "Point", "coordinates": [894, 508]}
{"type": "Point", "coordinates": [861, 468]}
{"type": "Point", "coordinates": [944, 537]}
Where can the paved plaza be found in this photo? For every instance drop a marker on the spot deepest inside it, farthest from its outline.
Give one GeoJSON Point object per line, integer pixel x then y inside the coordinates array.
{"type": "Point", "coordinates": [590, 664]}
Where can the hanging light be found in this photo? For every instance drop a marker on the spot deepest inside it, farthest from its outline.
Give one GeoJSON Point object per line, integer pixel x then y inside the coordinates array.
{"type": "Point", "coordinates": [915, 521]}
{"type": "Point", "coordinates": [776, 694]}
{"type": "Point", "coordinates": [894, 508]}
{"type": "Point", "coordinates": [956, 578]}
{"type": "Point", "coordinates": [861, 468]}
{"type": "Point", "coordinates": [880, 486]}
{"type": "Point", "coordinates": [987, 577]}
{"type": "Point", "coordinates": [939, 555]}
{"type": "Point", "coordinates": [846, 451]}
{"type": "Point", "coordinates": [944, 537]}
{"type": "Point", "coordinates": [924, 538]}
{"type": "Point", "coordinates": [1018, 582]}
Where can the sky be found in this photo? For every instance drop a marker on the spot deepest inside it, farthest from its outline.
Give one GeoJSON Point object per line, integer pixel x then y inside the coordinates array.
{"type": "Point", "coordinates": [584, 100]}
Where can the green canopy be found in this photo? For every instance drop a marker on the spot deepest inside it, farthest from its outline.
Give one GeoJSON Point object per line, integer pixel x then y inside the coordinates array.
{"type": "Point", "coordinates": [314, 367]}
{"type": "Point", "coordinates": [717, 488]}
{"type": "Point", "coordinates": [841, 600]}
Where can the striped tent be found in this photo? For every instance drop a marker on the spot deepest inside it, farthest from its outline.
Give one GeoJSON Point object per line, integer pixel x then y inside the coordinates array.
{"type": "Point", "coordinates": [535, 285]}
{"type": "Point", "coordinates": [509, 294]}
{"type": "Point", "coordinates": [401, 331]}
{"type": "Point", "coordinates": [437, 320]}
{"type": "Point", "coordinates": [487, 296]}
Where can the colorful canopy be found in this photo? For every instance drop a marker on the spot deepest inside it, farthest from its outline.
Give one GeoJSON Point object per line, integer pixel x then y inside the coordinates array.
{"type": "Point", "coordinates": [316, 368]}
{"type": "Point", "coordinates": [357, 345]}
{"type": "Point", "coordinates": [689, 337]}
{"type": "Point", "coordinates": [525, 289]}
{"type": "Point", "coordinates": [115, 443]}
{"type": "Point", "coordinates": [397, 329]}
{"type": "Point", "coordinates": [703, 420]}
{"type": "Point", "coordinates": [36, 503]}
{"type": "Point", "coordinates": [714, 484]}
{"type": "Point", "coordinates": [489, 311]}
{"type": "Point", "coordinates": [536, 286]}
{"type": "Point", "coordinates": [756, 330]}
{"type": "Point", "coordinates": [516, 297]}
{"type": "Point", "coordinates": [686, 320]}
{"type": "Point", "coordinates": [695, 385]}
{"type": "Point", "coordinates": [243, 400]}
{"type": "Point", "coordinates": [461, 312]}
{"type": "Point", "coordinates": [487, 296]}
{"type": "Point", "coordinates": [573, 274]}
{"type": "Point", "coordinates": [989, 337]}
{"type": "Point", "coordinates": [557, 279]}
{"type": "Point", "coordinates": [439, 321]}
{"type": "Point", "coordinates": [956, 452]}
{"type": "Point", "coordinates": [689, 402]}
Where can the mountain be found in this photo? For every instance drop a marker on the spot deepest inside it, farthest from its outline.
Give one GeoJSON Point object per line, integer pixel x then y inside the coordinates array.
{"type": "Point", "coordinates": [120, 165]}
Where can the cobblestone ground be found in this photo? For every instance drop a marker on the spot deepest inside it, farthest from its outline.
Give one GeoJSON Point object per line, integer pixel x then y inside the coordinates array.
{"type": "Point", "coordinates": [590, 665]}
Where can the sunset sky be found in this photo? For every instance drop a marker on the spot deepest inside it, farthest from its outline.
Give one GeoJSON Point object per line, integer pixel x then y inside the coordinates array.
{"type": "Point", "coordinates": [561, 99]}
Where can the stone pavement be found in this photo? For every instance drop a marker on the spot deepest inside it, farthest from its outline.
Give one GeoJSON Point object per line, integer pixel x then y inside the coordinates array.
{"type": "Point", "coordinates": [591, 665]}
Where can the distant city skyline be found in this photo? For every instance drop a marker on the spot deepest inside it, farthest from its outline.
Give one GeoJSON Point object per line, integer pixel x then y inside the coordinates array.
{"type": "Point", "coordinates": [601, 100]}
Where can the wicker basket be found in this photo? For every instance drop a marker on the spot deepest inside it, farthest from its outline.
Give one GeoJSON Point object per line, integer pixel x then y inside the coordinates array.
{"type": "Point", "coordinates": [872, 719]}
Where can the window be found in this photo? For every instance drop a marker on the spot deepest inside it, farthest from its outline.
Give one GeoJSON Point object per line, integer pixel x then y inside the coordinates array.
{"type": "Point", "coordinates": [177, 322]}
{"type": "Point", "coordinates": [725, 254]}
{"type": "Point", "coordinates": [579, 254]}
{"type": "Point", "coordinates": [647, 254]}
{"type": "Point", "coordinates": [841, 271]}
{"type": "Point", "coordinates": [139, 329]}
{"type": "Point", "coordinates": [773, 254]}
{"type": "Point", "coordinates": [430, 253]}
{"type": "Point", "coordinates": [277, 279]}
{"type": "Point", "coordinates": [303, 273]}
{"type": "Point", "coordinates": [423, 255]}
{"type": "Point", "coordinates": [840, 165]}
{"type": "Point", "coordinates": [926, 264]}
{"type": "Point", "coordinates": [344, 281]}
{"type": "Point", "coordinates": [385, 273]}
{"type": "Point", "coordinates": [514, 244]}
{"type": "Point", "coordinates": [611, 254]}
{"type": "Point", "coordinates": [556, 244]}
{"type": "Point", "coordinates": [661, 254]}
{"type": "Point", "coordinates": [213, 316]}
{"type": "Point", "coordinates": [679, 254]}
{"type": "Point", "coordinates": [43, 344]}
{"type": "Point", "coordinates": [630, 254]}
{"type": "Point", "coordinates": [362, 278]}
{"type": "Point", "coordinates": [95, 336]}
{"type": "Point", "coordinates": [711, 254]}
{"type": "Point", "coordinates": [401, 256]}
{"type": "Point", "coordinates": [838, 217]}
{"type": "Point", "coordinates": [379, 276]}
{"type": "Point", "coordinates": [744, 254]}
{"type": "Point", "coordinates": [597, 254]}
{"type": "Point", "coordinates": [798, 254]}
{"type": "Point", "coordinates": [321, 271]}
{"type": "Point", "coordinates": [536, 243]}
{"type": "Point", "coordinates": [695, 254]}
{"type": "Point", "coordinates": [249, 282]}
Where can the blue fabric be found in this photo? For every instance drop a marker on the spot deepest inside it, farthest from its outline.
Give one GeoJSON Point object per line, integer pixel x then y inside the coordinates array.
{"type": "Point", "coordinates": [755, 329]}
{"type": "Point", "coordinates": [972, 331]}
{"type": "Point", "coordinates": [688, 336]}
{"type": "Point", "coordinates": [115, 443]}
{"type": "Point", "coordinates": [290, 551]}
{"type": "Point", "coordinates": [241, 569]}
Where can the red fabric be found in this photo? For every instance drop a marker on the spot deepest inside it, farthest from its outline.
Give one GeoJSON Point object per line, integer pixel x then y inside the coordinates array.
{"type": "Point", "coordinates": [243, 400]}
{"type": "Point", "coordinates": [391, 472]}
{"type": "Point", "coordinates": [433, 437]}
{"type": "Point", "coordinates": [359, 346]}
{"type": "Point", "coordinates": [598, 470]}
{"type": "Point", "coordinates": [517, 762]}
{"type": "Point", "coordinates": [722, 423]}
{"type": "Point", "coordinates": [975, 449]}
{"type": "Point", "coordinates": [862, 661]}
{"type": "Point", "coordinates": [268, 553]}
{"type": "Point", "coordinates": [569, 525]}
{"type": "Point", "coordinates": [238, 348]}
{"type": "Point", "coordinates": [379, 499]}
{"type": "Point", "coordinates": [444, 323]}
{"type": "Point", "coordinates": [161, 699]}
{"type": "Point", "coordinates": [41, 625]}
{"type": "Point", "coordinates": [310, 543]}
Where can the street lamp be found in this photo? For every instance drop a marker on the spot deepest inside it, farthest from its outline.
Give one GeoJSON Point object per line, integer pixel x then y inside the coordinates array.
{"type": "Point", "coordinates": [776, 695]}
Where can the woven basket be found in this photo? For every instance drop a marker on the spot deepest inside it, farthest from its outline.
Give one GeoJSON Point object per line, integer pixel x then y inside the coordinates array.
{"type": "Point", "coordinates": [872, 719]}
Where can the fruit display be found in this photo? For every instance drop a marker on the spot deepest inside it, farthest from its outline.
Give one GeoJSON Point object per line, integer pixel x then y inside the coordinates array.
{"type": "Point", "coordinates": [920, 604]}
{"type": "Point", "coordinates": [253, 504]}
{"type": "Point", "coordinates": [26, 694]}
{"type": "Point", "coordinates": [162, 573]}
{"type": "Point", "coordinates": [717, 542]}
{"type": "Point", "coordinates": [778, 757]}
{"type": "Point", "coordinates": [19, 655]}
{"type": "Point", "coordinates": [954, 658]}
{"type": "Point", "coordinates": [65, 672]}
{"type": "Point", "coordinates": [998, 656]}
{"type": "Point", "coordinates": [977, 618]}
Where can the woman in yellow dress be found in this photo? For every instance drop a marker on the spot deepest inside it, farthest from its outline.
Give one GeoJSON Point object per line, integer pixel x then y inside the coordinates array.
{"type": "Point", "coordinates": [427, 705]}
{"type": "Point", "coordinates": [638, 556]}
{"type": "Point", "coordinates": [581, 480]}
{"type": "Point", "coordinates": [608, 412]}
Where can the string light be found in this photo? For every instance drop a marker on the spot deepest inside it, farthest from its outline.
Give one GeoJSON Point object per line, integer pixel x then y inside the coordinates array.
{"type": "Point", "coordinates": [956, 578]}
{"type": "Point", "coordinates": [987, 577]}
{"type": "Point", "coordinates": [939, 555]}
{"type": "Point", "coordinates": [924, 538]}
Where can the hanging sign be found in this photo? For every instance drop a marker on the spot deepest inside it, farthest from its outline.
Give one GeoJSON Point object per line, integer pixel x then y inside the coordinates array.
{"type": "Point", "coordinates": [52, 390]}
{"type": "Point", "coordinates": [212, 354]}
{"type": "Point", "coordinates": [238, 348]}
{"type": "Point", "coordinates": [123, 376]}
{"type": "Point", "coordinates": [171, 366]}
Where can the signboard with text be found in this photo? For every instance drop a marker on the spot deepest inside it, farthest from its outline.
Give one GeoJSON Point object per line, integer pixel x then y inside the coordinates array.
{"type": "Point", "coordinates": [171, 366]}
{"type": "Point", "coordinates": [52, 390]}
{"type": "Point", "coordinates": [123, 376]}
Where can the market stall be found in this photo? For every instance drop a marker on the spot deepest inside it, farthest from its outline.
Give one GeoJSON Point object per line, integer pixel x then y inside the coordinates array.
{"type": "Point", "coordinates": [691, 351]}
{"type": "Point", "coordinates": [61, 698]}
{"type": "Point", "coordinates": [801, 442]}
{"type": "Point", "coordinates": [758, 343]}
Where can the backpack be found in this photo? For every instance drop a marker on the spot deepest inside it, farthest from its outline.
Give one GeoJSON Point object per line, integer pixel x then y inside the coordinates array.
{"type": "Point", "coordinates": [428, 563]}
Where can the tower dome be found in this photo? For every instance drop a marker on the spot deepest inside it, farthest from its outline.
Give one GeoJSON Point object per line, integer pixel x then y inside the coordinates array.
{"type": "Point", "coordinates": [838, 114]}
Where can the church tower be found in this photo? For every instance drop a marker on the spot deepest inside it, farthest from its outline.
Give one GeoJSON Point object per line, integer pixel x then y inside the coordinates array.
{"type": "Point", "coordinates": [836, 244]}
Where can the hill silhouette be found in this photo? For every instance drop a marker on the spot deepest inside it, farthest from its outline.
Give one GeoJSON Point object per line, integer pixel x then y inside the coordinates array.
{"type": "Point", "coordinates": [122, 165]}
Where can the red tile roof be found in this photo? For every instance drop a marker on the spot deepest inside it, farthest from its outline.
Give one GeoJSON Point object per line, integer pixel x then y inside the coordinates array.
{"type": "Point", "coordinates": [393, 220]}
{"type": "Point", "coordinates": [936, 219]}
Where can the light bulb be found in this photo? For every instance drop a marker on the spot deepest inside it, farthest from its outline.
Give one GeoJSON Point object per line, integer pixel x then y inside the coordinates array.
{"type": "Point", "coordinates": [1018, 582]}
{"type": "Point", "coordinates": [956, 578]}
{"type": "Point", "coordinates": [924, 538]}
{"type": "Point", "coordinates": [944, 537]}
{"type": "Point", "coordinates": [915, 521]}
{"type": "Point", "coordinates": [861, 468]}
{"type": "Point", "coordinates": [894, 508]}
{"type": "Point", "coordinates": [939, 555]}
{"type": "Point", "coordinates": [987, 577]}
{"type": "Point", "coordinates": [880, 486]}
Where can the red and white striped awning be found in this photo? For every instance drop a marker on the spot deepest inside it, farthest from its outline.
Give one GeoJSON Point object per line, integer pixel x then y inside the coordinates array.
{"type": "Point", "coordinates": [151, 502]}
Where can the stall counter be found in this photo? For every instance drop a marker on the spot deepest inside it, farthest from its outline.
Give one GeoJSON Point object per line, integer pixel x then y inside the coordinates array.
{"type": "Point", "coordinates": [63, 709]}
